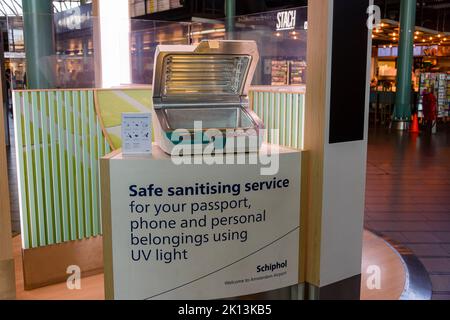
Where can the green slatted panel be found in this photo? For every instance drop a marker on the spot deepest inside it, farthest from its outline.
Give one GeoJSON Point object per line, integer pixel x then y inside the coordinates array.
{"type": "Point", "coordinates": [68, 115]}
{"type": "Point", "coordinates": [95, 207]}
{"type": "Point", "coordinates": [296, 125]}
{"type": "Point", "coordinates": [272, 113]}
{"type": "Point", "coordinates": [54, 169]}
{"type": "Point", "coordinates": [266, 114]}
{"type": "Point", "coordinates": [58, 166]}
{"type": "Point", "coordinates": [283, 111]}
{"type": "Point", "coordinates": [46, 191]}
{"type": "Point", "coordinates": [289, 120]}
{"type": "Point", "coordinates": [62, 164]}
{"type": "Point", "coordinates": [100, 146]}
{"type": "Point", "coordinates": [282, 120]}
{"type": "Point", "coordinates": [85, 156]}
{"type": "Point", "coordinates": [272, 107]}
{"type": "Point", "coordinates": [30, 172]}
{"type": "Point", "coordinates": [41, 220]}
{"type": "Point", "coordinates": [302, 121]}
{"type": "Point", "coordinates": [78, 195]}
{"type": "Point", "coordinates": [254, 105]}
{"type": "Point", "coordinates": [277, 120]}
{"type": "Point", "coordinates": [20, 163]}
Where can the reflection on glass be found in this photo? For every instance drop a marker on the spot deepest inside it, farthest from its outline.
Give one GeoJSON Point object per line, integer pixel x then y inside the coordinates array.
{"type": "Point", "coordinates": [281, 37]}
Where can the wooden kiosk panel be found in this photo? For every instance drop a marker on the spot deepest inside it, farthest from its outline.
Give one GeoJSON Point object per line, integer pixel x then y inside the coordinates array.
{"type": "Point", "coordinates": [7, 280]}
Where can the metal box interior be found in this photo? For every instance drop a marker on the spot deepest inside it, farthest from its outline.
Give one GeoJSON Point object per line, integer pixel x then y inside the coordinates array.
{"type": "Point", "coordinates": [204, 87]}
{"type": "Point", "coordinates": [217, 118]}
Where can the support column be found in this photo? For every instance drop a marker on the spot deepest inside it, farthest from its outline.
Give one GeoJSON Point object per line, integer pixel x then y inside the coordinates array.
{"type": "Point", "coordinates": [402, 112]}
{"type": "Point", "coordinates": [39, 42]}
{"type": "Point", "coordinates": [230, 13]}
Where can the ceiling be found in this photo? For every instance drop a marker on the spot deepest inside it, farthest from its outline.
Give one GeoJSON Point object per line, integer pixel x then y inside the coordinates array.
{"type": "Point", "coordinates": [388, 34]}
{"type": "Point", "coordinates": [431, 14]}
{"type": "Point", "coordinates": [13, 8]}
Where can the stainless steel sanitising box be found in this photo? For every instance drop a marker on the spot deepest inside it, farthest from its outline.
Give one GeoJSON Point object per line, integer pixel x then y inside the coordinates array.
{"type": "Point", "coordinates": [200, 96]}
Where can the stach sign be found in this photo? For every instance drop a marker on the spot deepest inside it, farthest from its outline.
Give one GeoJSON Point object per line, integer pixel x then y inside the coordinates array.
{"type": "Point", "coordinates": [286, 20]}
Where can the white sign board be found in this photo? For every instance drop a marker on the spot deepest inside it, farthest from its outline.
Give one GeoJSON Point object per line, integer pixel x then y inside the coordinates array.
{"type": "Point", "coordinates": [203, 231]}
{"type": "Point", "coordinates": [136, 133]}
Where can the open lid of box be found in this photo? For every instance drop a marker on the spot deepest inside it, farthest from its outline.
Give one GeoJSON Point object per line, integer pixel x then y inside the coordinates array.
{"type": "Point", "coordinates": [213, 73]}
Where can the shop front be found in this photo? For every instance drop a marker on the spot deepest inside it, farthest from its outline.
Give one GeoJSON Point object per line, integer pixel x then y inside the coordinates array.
{"type": "Point", "coordinates": [430, 70]}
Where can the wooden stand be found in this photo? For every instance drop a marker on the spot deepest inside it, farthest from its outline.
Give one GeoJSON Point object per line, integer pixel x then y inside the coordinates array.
{"type": "Point", "coordinates": [7, 276]}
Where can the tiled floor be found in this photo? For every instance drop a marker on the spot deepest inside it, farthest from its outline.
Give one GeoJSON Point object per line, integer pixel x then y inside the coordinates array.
{"type": "Point", "coordinates": [408, 197]}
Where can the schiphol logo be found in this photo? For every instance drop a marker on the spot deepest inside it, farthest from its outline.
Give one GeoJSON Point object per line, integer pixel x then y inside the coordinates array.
{"type": "Point", "coordinates": [374, 20]}
{"type": "Point", "coordinates": [272, 266]}
{"type": "Point", "coordinates": [230, 147]}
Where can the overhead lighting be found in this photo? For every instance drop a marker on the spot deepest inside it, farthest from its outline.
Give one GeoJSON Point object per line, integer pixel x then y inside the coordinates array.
{"type": "Point", "coordinates": [278, 34]}
{"type": "Point", "coordinates": [209, 31]}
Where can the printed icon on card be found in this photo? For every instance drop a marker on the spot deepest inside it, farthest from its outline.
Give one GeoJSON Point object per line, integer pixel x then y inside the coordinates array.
{"type": "Point", "coordinates": [136, 133]}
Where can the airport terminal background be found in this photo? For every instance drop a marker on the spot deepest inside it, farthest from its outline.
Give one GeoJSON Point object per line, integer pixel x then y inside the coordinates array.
{"type": "Point", "coordinates": [407, 203]}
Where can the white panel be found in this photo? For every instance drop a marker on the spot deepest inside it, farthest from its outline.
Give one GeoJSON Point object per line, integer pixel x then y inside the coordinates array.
{"type": "Point", "coordinates": [343, 211]}
{"type": "Point", "coordinates": [115, 43]}
{"type": "Point", "coordinates": [345, 166]}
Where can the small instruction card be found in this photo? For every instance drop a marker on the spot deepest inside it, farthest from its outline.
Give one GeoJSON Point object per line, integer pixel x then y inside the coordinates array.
{"type": "Point", "coordinates": [136, 133]}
